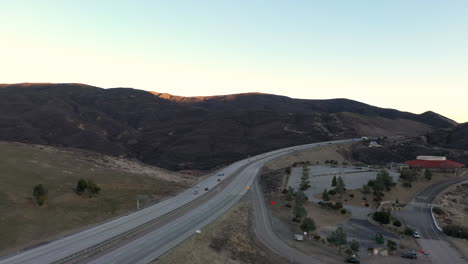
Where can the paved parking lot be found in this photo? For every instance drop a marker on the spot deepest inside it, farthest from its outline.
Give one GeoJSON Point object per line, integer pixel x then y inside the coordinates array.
{"type": "Point", "coordinates": [321, 177]}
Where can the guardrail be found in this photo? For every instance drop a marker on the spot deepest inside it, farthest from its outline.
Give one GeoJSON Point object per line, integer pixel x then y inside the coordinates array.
{"type": "Point", "coordinates": [434, 219]}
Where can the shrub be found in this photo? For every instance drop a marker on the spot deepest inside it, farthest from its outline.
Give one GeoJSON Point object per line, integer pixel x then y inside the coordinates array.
{"type": "Point", "coordinates": [308, 225]}
{"type": "Point", "coordinates": [354, 246]}
{"type": "Point", "coordinates": [331, 192]}
{"type": "Point", "coordinates": [39, 193]}
{"type": "Point", "coordinates": [392, 245]}
{"type": "Point", "coordinates": [343, 211]}
{"type": "Point", "coordinates": [397, 223]}
{"type": "Point", "coordinates": [351, 195]}
{"type": "Point", "coordinates": [438, 210]}
{"type": "Point", "coordinates": [288, 205]}
{"type": "Point", "coordinates": [408, 231]}
{"type": "Point", "coordinates": [317, 237]}
{"type": "Point", "coordinates": [338, 205]}
{"type": "Point", "coordinates": [382, 217]}
{"type": "Point", "coordinates": [284, 191]}
{"type": "Point", "coordinates": [456, 231]}
{"type": "Point", "coordinates": [218, 243]}
{"type": "Point", "coordinates": [81, 186]}
{"type": "Point", "coordinates": [93, 188]}
{"type": "Point", "coordinates": [349, 251]}
{"type": "Point", "coordinates": [325, 196]}
{"type": "Point", "coordinates": [407, 184]}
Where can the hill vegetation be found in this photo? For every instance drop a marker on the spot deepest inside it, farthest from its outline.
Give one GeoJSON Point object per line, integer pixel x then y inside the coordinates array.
{"type": "Point", "coordinates": [189, 133]}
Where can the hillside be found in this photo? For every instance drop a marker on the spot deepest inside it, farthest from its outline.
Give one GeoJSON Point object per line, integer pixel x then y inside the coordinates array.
{"type": "Point", "coordinates": [456, 137]}
{"type": "Point", "coordinates": [22, 166]}
{"type": "Point", "coordinates": [189, 133]}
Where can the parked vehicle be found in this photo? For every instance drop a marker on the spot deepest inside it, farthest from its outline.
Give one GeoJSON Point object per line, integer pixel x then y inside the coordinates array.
{"type": "Point", "coordinates": [352, 260]}
{"type": "Point", "coordinates": [410, 255]}
{"type": "Point", "coordinates": [379, 239]}
{"type": "Point", "coordinates": [298, 237]}
{"type": "Point", "coordinates": [416, 235]}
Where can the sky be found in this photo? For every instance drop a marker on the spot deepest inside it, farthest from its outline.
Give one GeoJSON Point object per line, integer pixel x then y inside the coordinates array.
{"type": "Point", "coordinates": [410, 55]}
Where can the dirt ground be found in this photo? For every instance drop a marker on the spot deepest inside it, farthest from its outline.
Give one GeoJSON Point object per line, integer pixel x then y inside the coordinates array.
{"type": "Point", "coordinates": [338, 152]}
{"type": "Point", "coordinates": [225, 241]}
{"type": "Point", "coordinates": [454, 202]}
{"type": "Point", "coordinates": [22, 166]}
{"type": "Point", "coordinates": [461, 245]}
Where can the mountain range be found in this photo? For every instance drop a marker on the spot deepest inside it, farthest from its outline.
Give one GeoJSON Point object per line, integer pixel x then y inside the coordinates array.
{"type": "Point", "coordinates": [196, 133]}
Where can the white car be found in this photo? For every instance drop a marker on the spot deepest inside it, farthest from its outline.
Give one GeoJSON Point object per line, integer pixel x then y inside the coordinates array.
{"type": "Point", "coordinates": [298, 237]}
{"type": "Point", "coordinates": [416, 235]}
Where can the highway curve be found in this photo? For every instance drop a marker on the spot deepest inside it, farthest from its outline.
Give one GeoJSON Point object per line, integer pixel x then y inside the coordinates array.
{"type": "Point", "coordinates": [418, 215]}
{"type": "Point", "coordinates": [167, 234]}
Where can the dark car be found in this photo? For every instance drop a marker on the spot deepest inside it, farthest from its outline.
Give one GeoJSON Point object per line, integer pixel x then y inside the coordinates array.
{"type": "Point", "coordinates": [352, 260]}
{"type": "Point", "coordinates": [410, 255]}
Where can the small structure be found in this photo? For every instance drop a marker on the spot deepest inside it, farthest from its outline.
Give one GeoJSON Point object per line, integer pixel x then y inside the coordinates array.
{"type": "Point", "coordinates": [434, 163]}
{"type": "Point", "coordinates": [397, 166]}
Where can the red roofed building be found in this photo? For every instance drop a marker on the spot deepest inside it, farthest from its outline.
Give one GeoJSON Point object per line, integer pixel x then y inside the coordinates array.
{"type": "Point", "coordinates": [433, 162]}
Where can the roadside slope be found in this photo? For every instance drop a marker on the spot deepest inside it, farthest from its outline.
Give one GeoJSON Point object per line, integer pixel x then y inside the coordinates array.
{"type": "Point", "coordinates": [23, 166]}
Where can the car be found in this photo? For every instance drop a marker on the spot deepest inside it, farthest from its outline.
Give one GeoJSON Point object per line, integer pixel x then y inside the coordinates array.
{"type": "Point", "coordinates": [416, 235]}
{"type": "Point", "coordinates": [410, 255]}
{"type": "Point", "coordinates": [352, 260]}
{"type": "Point", "coordinates": [298, 237]}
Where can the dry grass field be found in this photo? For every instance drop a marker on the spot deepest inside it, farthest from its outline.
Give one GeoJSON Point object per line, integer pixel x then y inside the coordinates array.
{"type": "Point", "coordinates": [22, 166]}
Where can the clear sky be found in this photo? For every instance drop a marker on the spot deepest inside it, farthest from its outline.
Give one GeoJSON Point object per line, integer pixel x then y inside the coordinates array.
{"type": "Point", "coordinates": [406, 54]}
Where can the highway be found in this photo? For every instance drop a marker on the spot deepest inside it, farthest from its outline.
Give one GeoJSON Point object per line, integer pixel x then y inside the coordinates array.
{"type": "Point", "coordinates": [418, 215]}
{"type": "Point", "coordinates": [154, 243]}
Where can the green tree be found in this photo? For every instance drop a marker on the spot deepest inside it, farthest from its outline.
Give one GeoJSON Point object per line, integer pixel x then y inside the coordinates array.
{"type": "Point", "coordinates": [325, 195]}
{"type": "Point", "coordinates": [365, 189]}
{"type": "Point", "coordinates": [409, 175]}
{"type": "Point", "coordinates": [93, 188]}
{"type": "Point", "coordinates": [392, 245]}
{"type": "Point", "coordinates": [354, 246]}
{"type": "Point", "coordinates": [340, 185]}
{"type": "Point", "coordinates": [382, 217]}
{"type": "Point", "coordinates": [379, 185]}
{"type": "Point", "coordinates": [338, 238]}
{"type": "Point", "coordinates": [334, 182]}
{"type": "Point", "coordinates": [300, 197]}
{"type": "Point", "coordinates": [387, 180]}
{"type": "Point", "coordinates": [290, 194]}
{"type": "Point", "coordinates": [299, 211]}
{"type": "Point", "coordinates": [81, 186]}
{"type": "Point", "coordinates": [308, 225]}
{"type": "Point", "coordinates": [428, 174]}
{"type": "Point", "coordinates": [40, 193]}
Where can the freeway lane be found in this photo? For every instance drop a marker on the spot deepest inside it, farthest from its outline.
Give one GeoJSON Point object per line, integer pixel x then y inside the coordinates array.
{"type": "Point", "coordinates": [156, 243]}
{"type": "Point", "coordinates": [62, 248]}
{"type": "Point", "coordinates": [418, 215]}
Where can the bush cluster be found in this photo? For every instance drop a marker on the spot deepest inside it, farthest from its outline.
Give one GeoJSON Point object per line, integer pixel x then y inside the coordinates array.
{"type": "Point", "coordinates": [456, 231]}
{"type": "Point", "coordinates": [382, 217]}
{"type": "Point", "coordinates": [330, 205]}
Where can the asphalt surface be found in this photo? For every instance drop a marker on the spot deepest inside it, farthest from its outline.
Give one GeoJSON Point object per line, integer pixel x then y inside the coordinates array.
{"type": "Point", "coordinates": [265, 235]}
{"type": "Point", "coordinates": [417, 214]}
{"type": "Point", "coordinates": [150, 246]}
